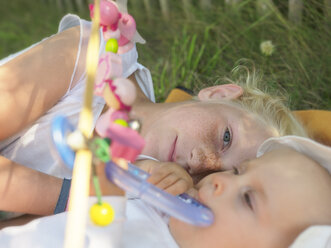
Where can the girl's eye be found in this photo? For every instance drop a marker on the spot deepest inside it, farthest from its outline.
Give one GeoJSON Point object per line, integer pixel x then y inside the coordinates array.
{"type": "Point", "coordinates": [226, 138]}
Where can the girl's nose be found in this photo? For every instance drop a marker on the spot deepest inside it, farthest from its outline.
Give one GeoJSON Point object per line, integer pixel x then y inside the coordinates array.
{"type": "Point", "coordinates": [202, 160]}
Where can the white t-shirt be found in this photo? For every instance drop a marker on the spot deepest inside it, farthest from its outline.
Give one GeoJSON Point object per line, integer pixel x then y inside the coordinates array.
{"type": "Point", "coordinates": [136, 224]}
{"type": "Point", "coordinates": [32, 147]}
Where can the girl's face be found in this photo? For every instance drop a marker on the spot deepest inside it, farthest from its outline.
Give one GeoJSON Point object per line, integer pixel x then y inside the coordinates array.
{"type": "Point", "coordinates": [265, 202]}
{"type": "Point", "coordinates": [203, 136]}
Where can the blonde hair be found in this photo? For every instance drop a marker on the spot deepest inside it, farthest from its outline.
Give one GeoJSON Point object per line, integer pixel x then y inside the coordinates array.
{"type": "Point", "coordinates": [272, 110]}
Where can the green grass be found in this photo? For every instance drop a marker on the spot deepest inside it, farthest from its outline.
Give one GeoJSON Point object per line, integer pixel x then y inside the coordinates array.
{"type": "Point", "coordinates": [198, 51]}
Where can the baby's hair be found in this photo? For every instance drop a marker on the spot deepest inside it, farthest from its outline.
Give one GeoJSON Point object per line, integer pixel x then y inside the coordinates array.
{"type": "Point", "coordinates": [271, 109]}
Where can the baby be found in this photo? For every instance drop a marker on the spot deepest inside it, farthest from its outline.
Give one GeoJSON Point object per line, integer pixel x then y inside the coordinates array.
{"type": "Point", "coordinates": [264, 202]}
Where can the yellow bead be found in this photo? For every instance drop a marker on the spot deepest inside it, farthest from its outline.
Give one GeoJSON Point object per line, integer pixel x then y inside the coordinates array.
{"type": "Point", "coordinates": [112, 45]}
{"type": "Point", "coordinates": [121, 122]}
{"type": "Point", "coordinates": [102, 214]}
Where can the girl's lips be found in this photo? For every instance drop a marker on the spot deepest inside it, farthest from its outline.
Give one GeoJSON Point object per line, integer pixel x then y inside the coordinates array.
{"type": "Point", "coordinates": [172, 152]}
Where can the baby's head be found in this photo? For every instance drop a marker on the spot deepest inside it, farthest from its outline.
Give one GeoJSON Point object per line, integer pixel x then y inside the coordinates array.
{"type": "Point", "coordinates": [265, 202]}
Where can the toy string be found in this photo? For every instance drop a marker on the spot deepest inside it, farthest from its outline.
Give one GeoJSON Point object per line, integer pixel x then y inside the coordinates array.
{"type": "Point", "coordinates": [96, 184]}
{"type": "Point", "coordinates": [76, 222]}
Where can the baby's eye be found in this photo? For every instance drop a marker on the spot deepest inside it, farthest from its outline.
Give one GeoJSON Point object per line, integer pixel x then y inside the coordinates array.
{"type": "Point", "coordinates": [235, 171]}
{"type": "Point", "coordinates": [247, 198]}
{"type": "Point", "coordinates": [226, 138]}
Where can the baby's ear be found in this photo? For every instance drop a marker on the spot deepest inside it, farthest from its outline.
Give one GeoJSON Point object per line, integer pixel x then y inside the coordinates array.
{"type": "Point", "coordinates": [222, 92]}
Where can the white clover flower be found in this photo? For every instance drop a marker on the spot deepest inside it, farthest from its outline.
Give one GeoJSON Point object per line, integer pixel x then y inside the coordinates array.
{"type": "Point", "coordinates": [267, 48]}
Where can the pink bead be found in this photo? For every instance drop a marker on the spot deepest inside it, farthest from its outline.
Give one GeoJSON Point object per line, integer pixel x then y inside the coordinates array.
{"type": "Point", "coordinates": [109, 13]}
{"type": "Point", "coordinates": [103, 123]}
{"type": "Point", "coordinates": [118, 114]}
{"type": "Point", "coordinates": [127, 26]}
{"type": "Point", "coordinates": [126, 143]}
{"type": "Point", "coordinates": [125, 90]}
{"type": "Point", "coordinates": [119, 150]}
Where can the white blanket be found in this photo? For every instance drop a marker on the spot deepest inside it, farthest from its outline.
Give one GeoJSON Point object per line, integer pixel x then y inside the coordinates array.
{"type": "Point", "coordinates": [314, 237]}
{"type": "Point", "coordinates": [136, 225]}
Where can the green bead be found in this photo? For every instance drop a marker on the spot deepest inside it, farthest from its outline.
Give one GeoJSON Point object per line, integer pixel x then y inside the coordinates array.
{"type": "Point", "coordinates": [121, 122]}
{"type": "Point", "coordinates": [112, 45]}
{"type": "Point", "coordinates": [101, 149]}
{"type": "Point", "coordinates": [107, 140]}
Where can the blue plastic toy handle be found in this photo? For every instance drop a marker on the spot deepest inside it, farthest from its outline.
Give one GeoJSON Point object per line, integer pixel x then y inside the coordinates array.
{"type": "Point", "coordinates": [182, 207]}
{"type": "Point", "coordinates": [61, 127]}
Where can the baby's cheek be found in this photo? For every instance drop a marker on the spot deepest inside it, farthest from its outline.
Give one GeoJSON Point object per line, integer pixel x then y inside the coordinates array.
{"type": "Point", "coordinates": [193, 193]}
{"type": "Point", "coordinates": [180, 231]}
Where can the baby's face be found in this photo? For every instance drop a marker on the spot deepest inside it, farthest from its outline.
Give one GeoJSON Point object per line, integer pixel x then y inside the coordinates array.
{"type": "Point", "coordinates": [204, 136]}
{"type": "Point", "coordinates": [265, 203]}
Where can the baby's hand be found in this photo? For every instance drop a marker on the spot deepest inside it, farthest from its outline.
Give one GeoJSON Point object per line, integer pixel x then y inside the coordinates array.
{"type": "Point", "coordinates": [168, 176]}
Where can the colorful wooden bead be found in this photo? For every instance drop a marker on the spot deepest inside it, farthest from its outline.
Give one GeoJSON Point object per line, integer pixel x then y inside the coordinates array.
{"type": "Point", "coordinates": [102, 214]}
{"type": "Point", "coordinates": [135, 125]}
{"type": "Point", "coordinates": [100, 148]}
{"type": "Point", "coordinates": [127, 26]}
{"type": "Point", "coordinates": [109, 13]}
{"type": "Point", "coordinates": [76, 140]}
{"type": "Point", "coordinates": [121, 122]}
{"type": "Point", "coordinates": [112, 45]}
{"type": "Point", "coordinates": [125, 90]}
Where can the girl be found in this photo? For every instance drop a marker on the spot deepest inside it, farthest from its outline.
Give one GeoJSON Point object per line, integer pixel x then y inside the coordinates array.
{"type": "Point", "coordinates": [216, 131]}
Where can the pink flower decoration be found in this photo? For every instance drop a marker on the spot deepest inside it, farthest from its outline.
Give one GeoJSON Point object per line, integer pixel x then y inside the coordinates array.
{"type": "Point", "coordinates": [110, 66]}
{"type": "Point", "coordinates": [127, 26]}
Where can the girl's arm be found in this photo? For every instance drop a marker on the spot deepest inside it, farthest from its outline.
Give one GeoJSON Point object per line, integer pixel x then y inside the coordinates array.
{"type": "Point", "coordinates": [33, 82]}
{"type": "Point", "coordinates": [26, 190]}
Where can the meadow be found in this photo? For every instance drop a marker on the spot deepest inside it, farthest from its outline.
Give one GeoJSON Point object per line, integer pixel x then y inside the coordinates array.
{"type": "Point", "coordinates": [195, 47]}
